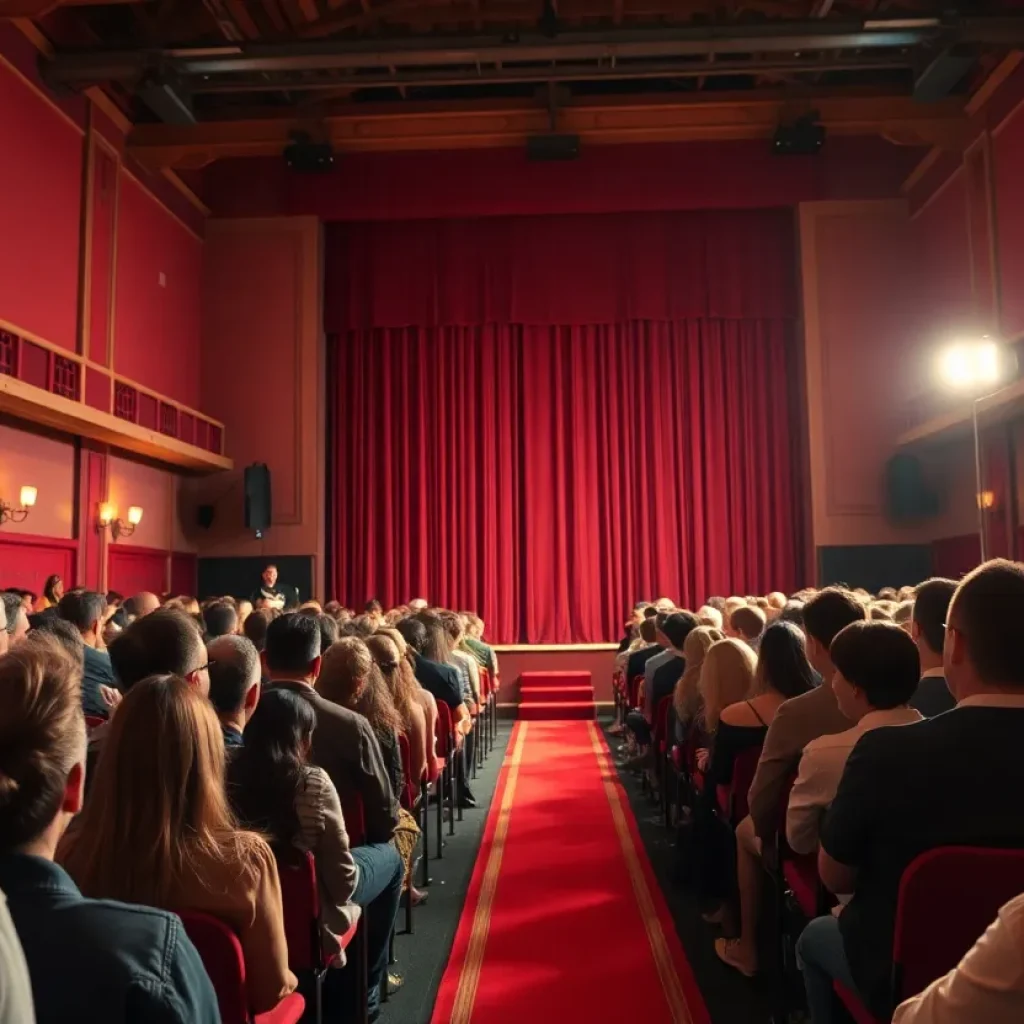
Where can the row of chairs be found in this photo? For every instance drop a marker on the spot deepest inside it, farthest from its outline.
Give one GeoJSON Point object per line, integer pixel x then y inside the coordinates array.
{"type": "Point", "coordinates": [220, 948]}
{"type": "Point", "coordinates": [947, 897]}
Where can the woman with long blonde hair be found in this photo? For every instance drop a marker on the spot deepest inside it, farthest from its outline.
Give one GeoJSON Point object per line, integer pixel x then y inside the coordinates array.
{"type": "Point", "coordinates": [157, 830]}
{"type": "Point", "coordinates": [686, 697]}
{"type": "Point", "coordinates": [726, 677]}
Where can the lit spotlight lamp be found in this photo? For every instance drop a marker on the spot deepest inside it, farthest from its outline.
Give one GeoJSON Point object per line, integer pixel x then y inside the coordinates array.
{"type": "Point", "coordinates": [107, 518]}
{"type": "Point", "coordinates": [977, 367]}
{"type": "Point", "coordinates": [18, 513]}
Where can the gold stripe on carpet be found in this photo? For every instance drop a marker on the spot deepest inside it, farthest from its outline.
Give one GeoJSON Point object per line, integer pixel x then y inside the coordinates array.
{"type": "Point", "coordinates": [469, 978]}
{"type": "Point", "coordinates": [670, 983]}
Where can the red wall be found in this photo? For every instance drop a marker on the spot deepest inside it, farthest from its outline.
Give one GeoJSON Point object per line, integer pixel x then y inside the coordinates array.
{"type": "Point", "coordinates": [157, 311]}
{"type": "Point", "coordinates": [467, 183]}
{"type": "Point", "coordinates": [40, 205]}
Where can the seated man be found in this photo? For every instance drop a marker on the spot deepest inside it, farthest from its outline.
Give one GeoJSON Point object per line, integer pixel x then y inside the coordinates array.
{"type": "Point", "coordinates": [345, 747]}
{"type": "Point", "coordinates": [220, 619]}
{"type": "Point", "coordinates": [86, 611]}
{"type": "Point", "coordinates": [876, 674]}
{"type": "Point", "coordinates": [928, 628]}
{"type": "Point", "coordinates": [15, 619]}
{"type": "Point", "coordinates": [234, 685]}
{"type": "Point", "coordinates": [747, 624]}
{"type": "Point", "coordinates": [118, 963]}
{"type": "Point", "coordinates": [949, 780]}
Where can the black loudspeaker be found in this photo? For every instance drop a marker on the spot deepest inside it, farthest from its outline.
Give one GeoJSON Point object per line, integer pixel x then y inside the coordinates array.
{"type": "Point", "coordinates": [909, 496]}
{"type": "Point", "coordinates": [257, 497]}
{"type": "Point", "coordinates": [204, 516]}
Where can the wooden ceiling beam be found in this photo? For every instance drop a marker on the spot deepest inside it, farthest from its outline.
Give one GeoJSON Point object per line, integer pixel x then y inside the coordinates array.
{"type": "Point", "coordinates": [598, 120]}
{"type": "Point", "coordinates": [37, 8]}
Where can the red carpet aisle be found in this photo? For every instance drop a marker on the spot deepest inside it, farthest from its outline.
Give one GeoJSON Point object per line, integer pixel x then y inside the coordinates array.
{"type": "Point", "coordinates": [553, 696]}
{"type": "Point", "coordinates": [564, 921]}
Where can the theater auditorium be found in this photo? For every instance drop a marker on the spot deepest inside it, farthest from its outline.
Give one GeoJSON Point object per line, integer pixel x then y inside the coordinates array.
{"type": "Point", "coordinates": [511, 510]}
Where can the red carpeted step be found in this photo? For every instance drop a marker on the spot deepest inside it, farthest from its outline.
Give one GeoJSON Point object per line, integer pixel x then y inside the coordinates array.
{"type": "Point", "coordinates": [554, 679]}
{"type": "Point", "coordinates": [551, 711]}
{"type": "Point", "coordinates": [544, 694]}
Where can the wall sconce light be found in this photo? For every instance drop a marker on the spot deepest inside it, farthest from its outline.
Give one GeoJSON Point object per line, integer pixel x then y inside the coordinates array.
{"type": "Point", "coordinates": [107, 518]}
{"type": "Point", "coordinates": [18, 513]}
{"type": "Point", "coordinates": [986, 499]}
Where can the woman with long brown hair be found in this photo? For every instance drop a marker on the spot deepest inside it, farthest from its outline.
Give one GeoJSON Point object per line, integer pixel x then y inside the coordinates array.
{"type": "Point", "coordinates": [350, 677]}
{"type": "Point", "coordinates": [401, 684]}
{"type": "Point", "coordinates": [157, 830]}
{"type": "Point", "coordinates": [86, 959]}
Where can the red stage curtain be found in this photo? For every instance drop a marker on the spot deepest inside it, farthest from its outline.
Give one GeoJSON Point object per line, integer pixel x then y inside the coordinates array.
{"type": "Point", "coordinates": [547, 472]}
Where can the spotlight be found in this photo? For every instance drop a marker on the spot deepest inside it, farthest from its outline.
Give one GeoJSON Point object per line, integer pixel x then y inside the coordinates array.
{"type": "Point", "coordinates": [975, 364]}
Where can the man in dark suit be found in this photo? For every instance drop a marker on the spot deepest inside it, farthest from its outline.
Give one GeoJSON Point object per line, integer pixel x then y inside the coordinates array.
{"type": "Point", "coordinates": [345, 747]}
{"type": "Point", "coordinates": [952, 780]}
{"type": "Point", "coordinates": [928, 628]}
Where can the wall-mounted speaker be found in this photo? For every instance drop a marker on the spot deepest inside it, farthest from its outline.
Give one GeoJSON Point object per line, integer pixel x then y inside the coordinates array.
{"type": "Point", "coordinates": [257, 497]}
{"type": "Point", "coordinates": [204, 516]}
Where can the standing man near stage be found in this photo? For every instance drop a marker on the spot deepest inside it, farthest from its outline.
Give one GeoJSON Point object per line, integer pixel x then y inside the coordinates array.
{"type": "Point", "coordinates": [269, 592]}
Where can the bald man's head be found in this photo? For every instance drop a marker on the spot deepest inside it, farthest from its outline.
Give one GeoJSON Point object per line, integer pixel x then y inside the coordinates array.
{"type": "Point", "coordinates": [145, 603]}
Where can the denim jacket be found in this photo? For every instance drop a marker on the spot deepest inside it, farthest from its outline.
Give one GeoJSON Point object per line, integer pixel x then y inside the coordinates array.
{"type": "Point", "coordinates": [101, 961]}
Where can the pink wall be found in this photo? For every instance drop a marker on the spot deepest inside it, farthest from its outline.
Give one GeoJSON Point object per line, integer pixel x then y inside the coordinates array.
{"type": "Point", "coordinates": [157, 309]}
{"type": "Point", "coordinates": [859, 305]}
{"type": "Point", "coordinates": [40, 205]}
{"type": "Point", "coordinates": [512, 662]}
{"type": "Point", "coordinates": [263, 370]}
{"type": "Point", "coordinates": [46, 462]}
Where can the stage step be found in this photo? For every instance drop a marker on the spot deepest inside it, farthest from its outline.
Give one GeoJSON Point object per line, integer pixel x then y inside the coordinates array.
{"type": "Point", "coordinates": [554, 679]}
{"type": "Point", "coordinates": [557, 694]}
{"type": "Point", "coordinates": [550, 711]}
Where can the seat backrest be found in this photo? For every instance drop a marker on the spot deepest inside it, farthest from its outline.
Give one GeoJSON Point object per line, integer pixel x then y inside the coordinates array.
{"type": "Point", "coordinates": [221, 953]}
{"type": "Point", "coordinates": [947, 898]}
{"type": "Point", "coordinates": [743, 770]}
{"type": "Point", "coordinates": [485, 683]}
{"type": "Point", "coordinates": [445, 740]}
{"type": "Point", "coordinates": [634, 690]}
{"type": "Point", "coordinates": [300, 897]}
{"type": "Point", "coordinates": [355, 819]}
{"type": "Point", "coordinates": [661, 720]}
{"type": "Point", "coordinates": [406, 797]}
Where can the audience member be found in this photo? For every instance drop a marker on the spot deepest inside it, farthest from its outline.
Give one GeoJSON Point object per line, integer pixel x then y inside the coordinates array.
{"type": "Point", "coordinates": [87, 958]}
{"type": "Point", "coordinates": [747, 624]}
{"type": "Point", "coordinates": [255, 628]}
{"type": "Point", "coordinates": [144, 604]}
{"type": "Point", "coordinates": [157, 830]}
{"type": "Point", "coordinates": [425, 699]}
{"type": "Point", "coordinates": [442, 681]}
{"type": "Point", "coordinates": [15, 983]}
{"type": "Point", "coordinates": [806, 717]}
{"type": "Point", "coordinates": [165, 642]}
{"type": "Point", "coordinates": [351, 678]}
{"type": "Point", "coordinates": [16, 618]}
{"type": "Point", "coordinates": [908, 790]}
{"type": "Point", "coordinates": [782, 673]}
{"type": "Point", "coordinates": [726, 677]}
{"type": "Point", "coordinates": [686, 696]}
{"type": "Point", "coordinates": [876, 672]}
{"type": "Point", "coordinates": [343, 744]}
{"type": "Point", "coordinates": [234, 686]}
{"type": "Point", "coordinates": [86, 611]}
{"type": "Point", "coordinates": [928, 628]}
{"type": "Point", "coordinates": [220, 619]}
{"type": "Point", "coordinates": [328, 631]}
{"type": "Point", "coordinates": [708, 616]}
{"type": "Point", "coordinates": [53, 591]}
{"type": "Point", "coordinates": [276, 791]}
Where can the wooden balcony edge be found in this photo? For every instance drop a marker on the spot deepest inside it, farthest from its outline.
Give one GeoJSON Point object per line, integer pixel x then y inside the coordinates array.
{"type": "Point", "coordinates": [35, 405]}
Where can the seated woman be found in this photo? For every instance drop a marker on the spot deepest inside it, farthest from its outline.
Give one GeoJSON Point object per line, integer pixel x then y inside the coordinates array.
{"type": "Point", "coordinates": [53, 591]}
{"type": "Point", "coordinates": [157, 830]}
{"type": "Point", "coordinates": [349, 677]}
{"type": "Point", "coordinates": [114, 963]}
{"type": "Point", "coordinates": [274, 790]}
{"type": "Point", "coordinates": [686, 696]}
{"type": "Point", "coordinates": [783, 671]}
{"type": "Point", "coordinates": [424, 698]}
{"type": "Point", "coordinates": [401, 685]}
